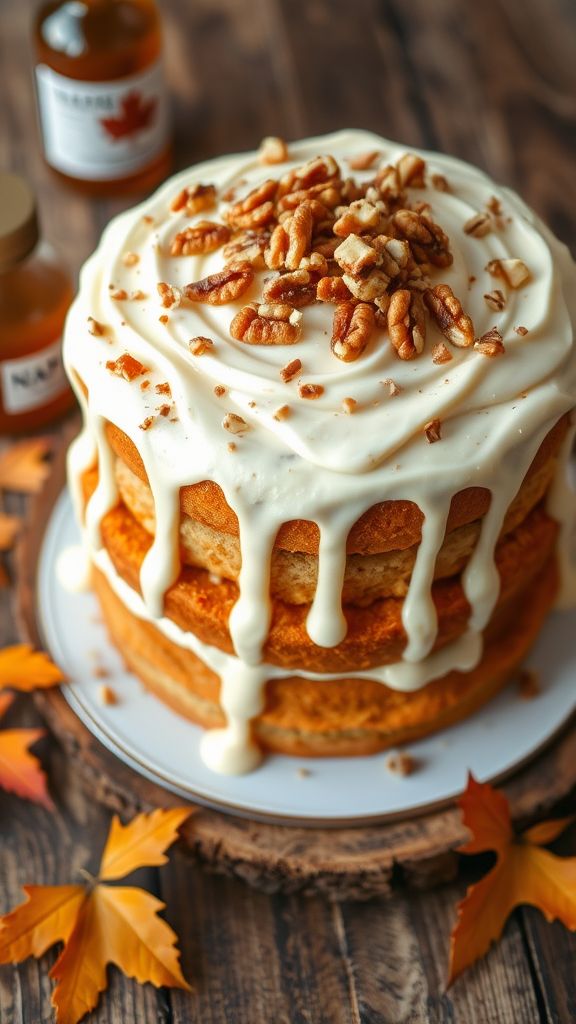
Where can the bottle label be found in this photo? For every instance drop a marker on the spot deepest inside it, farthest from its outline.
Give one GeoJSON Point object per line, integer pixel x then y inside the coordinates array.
{"type": "Point", "coordinates": [100, 131]}
{"type": "Point", "coordinates": [34, 380]}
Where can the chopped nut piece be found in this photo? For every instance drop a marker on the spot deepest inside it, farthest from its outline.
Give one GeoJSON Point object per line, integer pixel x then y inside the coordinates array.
{"type": "Point", "coordinates": [432, 430]}
{"type": "Point", "coordinates": [310, 390]}
{"type": "Point", "coordinates": [275, 253]}
{"type": "Point", "coordinates": [231, 446]}
{"type": "Point", "coordinates": [198, 346]}
{"type": "Point", "coordinates": [235, 424]}
{"type": "Point", "coordinates": [332, 289]}
{"type": "Point", "coordinates": [447, 311]}
{"type": "Point", "coordinates": [358, 218]}
{"type": "Point", "coordinates": [428, 242]}
{"type": "Point", "coordinates": [119, 294]}
{"type": "Point", "coordinates": [354, 255]}
{"type": "Point", "coordinates": [130, 259]}
{"type": "Point", "coordinates": [225, 286]}
{"type": "Point", "coordinates": [496, 300]}
{"type": "Point", "coordinates": [363, 161]}
{"type": "Point", "coordinates": [219, 390]}
{"type": "Point", "coordinates": [107, 696]}
{"type": "Point", "coordinates": [144, 385]}
{"type": "Point", "coordinates": [255, 209]}
{"type": "Point", "coordinates": [203, 237]}
{"type": "Point", "coordinates": [290, 370]}
{"type": "Point", "coordinates": [411, 170]}
{"type": "Point", "coordinates": [479, 225]}
{"type": "Point", "coordinates": [163, 410]}
{"type": "Point", "coordinates": [406, 324]}
{"type": "Point", "coordinates": [249, 245]}
{"type": "Point", "coordinates": [395, 253]}
{"type": "Point", "coordinates": [147, 423]}
{"type": "Point", "coordinates": [297, 288]}
{"type": "Point", "coordinates": [387, 186]}
{"type": "Point", "coordinates": [299, 235]}
{"type": "Point", "coordinates": [126, 366]}
{"type": "Point", "coordinates": [352, 328]}
{"type": "Point", "coordinates": [282, 413]}
{"type": "Point", "coordinates": [522, 331]}
{"type": "Point", "coordinates": [349, 405]}
{"type": "Point", "coordinates": [440, 353]}
{"type": "Point", "coordinates": [138, 295]}
{"type": "Point", "coordinates": [529, 684]}
{"type": "Point", "coordinates": [490, 344]}
{"type": "Point", "coordinates": [163, 389]}
{"type": "Point", "coordinates": [273, 150]}
{"type": "Point", "coordinates": [194, 199]}
{"type": "Point", "coordinates": [401, 764]}
{"type": "Point", "coordinates": [515, 272]}
{"type": "Point", "coordinates": [95, 327]}
{"type": "Point", "coordinates": [440, 183]}
{"type": "Point", "coordinates": [369, 288]}
{"type": "Point", "coordinates": [170, 296]}
{"type": "Point", "coordinates": [271, 324]}
{"type": "Point", "coordinates": [393, 388]}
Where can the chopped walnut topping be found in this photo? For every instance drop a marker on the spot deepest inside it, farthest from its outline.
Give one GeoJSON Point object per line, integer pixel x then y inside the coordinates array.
{"type": "Point", "coordinates": [268, 324]}
{"type": "Point", "coordinates": [130, 259]}
{"type": "Point", "coordinates": [138, 295]}
{"type": "Point", "coordinates": [332, 289]}
{"type": "Point", "coordinates": [514, 271]}
{"type": "Point", "coordinates": [249, 245]}
{"type": "Point", "coordinates": [297, 288]}
{"type": "Point", "coordinates": [310, 390]}
{"type": "Point", "coordinates": [440, 353]}
{"type": "Point", "coordinates": [352, 328]}
{"type": "Point", "coordinates": [290, 370]}
{"type": "Point", "coordinates": [432, 431]}
{"type": "Point", "coordinates": [95, 327]}
{"type": "Point", "coordinates": [440, 183]}
{"type": "Point", "coordinates": [163, 389]}
{"type": "Point", "coordinates": [256, 208]}
{"type": "Point", "coordinates": [447, 311]}
{"type": "Point", "coordinates": [163, 410]}
{"type": "Point", "coordinates": [225, 286]}
{"type": "Point", "coordinates": [126, 366]}
{"type": "Point", "coordinates": [401, 764]}
{"type": "Point", "coordinates": [170, 296]}
{"type": "Point", "coordinates": [406, 325]}
{"type": "Point", "coordinates": [367, 288]}
{"type": "Point", "coordinates": [194, 199]}
{"type": "Point", "coordinates": [231, 446]}
{"type": "Point", "coordinates": [411, 170]}
{"type": "Point", "coordinates": [349, 405]}
{"type": "Point", "coordinates": [299, 235]}
{"type": "Point", "coordinates": [353, 255]}
{"type": "Point", "coordinates": [282, 413]}
{"type": "Point", "coordinates": [144, 385]}
{"type": "Point", "coordinates": [364, 161]}
{"type": "Point", "coordinates": [198, 346]}
{"type": "Point", "coordinates": [490, 344]}
{"type": "Point", "coordinates": [147, 423]}
{"type": "Point", "coordinates": [219, 390]}
{"type": "Point", "coordinates": [427, 241]}
{"type": "Point", "coordinates": [522, 331]}
{"type": "Point", "coordinates": [119, 294]}
{"type": "Point", "coordinates": [496, 300]}
{"type": "Point", "coordinates": [107, 696]}
{"type": "Point", "coordinates": [235, 424]}
{"type": "Point", "coordinates": [529, 684]}
{"type": "Point", "coordinates": [273, 150]}
{"type": "Point", "coordinates": [357, 218]}
{"type": "Point", "coordinates": [203, 237]}
{"type": "Point", "coordinates": [276, 251]}
{"type": "Point", "coordinates": [479, 225]}
{"type": "Point", "coordinates": [393, 388]}
{"type": "Point", "coordinates": [395, 255]}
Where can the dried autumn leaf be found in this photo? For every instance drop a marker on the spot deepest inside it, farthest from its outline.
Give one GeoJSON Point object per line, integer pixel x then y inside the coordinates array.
{"type": "Point", "coordinates": [9, 526]}
{"type": "Point", "coordinates": [22, 668]}
{"type": "Point", "coordinates": [523, 874]}
{"type": "Point", "coordinates": [23, 467]}
{"type": "Point", "coordinates": [20, 771]}
{"type": "Point", "coordinates": [101, 924]}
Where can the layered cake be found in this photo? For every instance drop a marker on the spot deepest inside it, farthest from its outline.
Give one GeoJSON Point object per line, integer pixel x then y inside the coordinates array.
{"type": "Point", "coordinates": [327, 394]}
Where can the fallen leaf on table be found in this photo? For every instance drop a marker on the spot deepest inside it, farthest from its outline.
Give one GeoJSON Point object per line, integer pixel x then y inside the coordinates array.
{"type": "Point", "coordinates": [22, 668]}
{"type": "Point", "coordinates": [20, 771]}
{"type": "Point", "coordinates": [101, 924]}
{"type": "Point", "coordinates": [524, 873]}
{"type": "Point", "coordinates": [23, 467]}
{"type": "Point", "coordinates": [9, 526]}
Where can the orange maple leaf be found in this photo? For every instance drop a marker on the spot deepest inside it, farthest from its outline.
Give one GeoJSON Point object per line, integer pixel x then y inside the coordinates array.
{"type": "Point", "coordinates": [101, 924]}
{"type": "Point", "coordinates": [523, 874]}
{"type": "Point", "coordinates": [22, 668]}
{"type": "Point", "coordinates": [23, 467]}
{"type": "Point", "coordinates": [135, 115]}
{"type": "Point", "coordinates": [20, 771]}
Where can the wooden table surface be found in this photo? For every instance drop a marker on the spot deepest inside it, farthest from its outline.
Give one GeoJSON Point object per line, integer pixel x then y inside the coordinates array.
{"type": "Point", "coordinates": [493, 82]}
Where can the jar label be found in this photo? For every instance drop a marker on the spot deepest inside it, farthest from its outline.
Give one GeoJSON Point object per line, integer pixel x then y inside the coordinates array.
{"type": "Point", "coordinates": [33, 381]}
{"type": "Point", "coordinates": [100, 131]}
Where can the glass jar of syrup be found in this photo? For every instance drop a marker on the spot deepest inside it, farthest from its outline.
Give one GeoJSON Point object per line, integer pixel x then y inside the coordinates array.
{"type": "Point", "coordinates": [35, 293]}
{"type": "Point", "coordinates": [101, 94]}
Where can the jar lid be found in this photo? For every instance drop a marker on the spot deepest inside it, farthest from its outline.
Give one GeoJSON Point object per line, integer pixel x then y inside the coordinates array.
{"type": "Point", "coordinates": [18, 219]}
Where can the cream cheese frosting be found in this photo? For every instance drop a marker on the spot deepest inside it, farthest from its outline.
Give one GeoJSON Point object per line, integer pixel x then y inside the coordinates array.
{"type": "Point", "coordinates": [320, 463]}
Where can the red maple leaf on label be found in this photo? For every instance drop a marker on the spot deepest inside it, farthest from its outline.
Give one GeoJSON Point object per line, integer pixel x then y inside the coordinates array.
{"type": "Point", "coordinates": [135, 115]}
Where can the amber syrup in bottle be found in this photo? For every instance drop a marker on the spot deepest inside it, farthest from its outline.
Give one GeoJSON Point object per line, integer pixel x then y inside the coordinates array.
{"type": "Point", "coordinates": [102, 99]}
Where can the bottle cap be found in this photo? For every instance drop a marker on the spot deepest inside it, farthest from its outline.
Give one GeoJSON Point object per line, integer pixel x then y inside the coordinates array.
{"type": "Point", "coordinates": [18, 219]}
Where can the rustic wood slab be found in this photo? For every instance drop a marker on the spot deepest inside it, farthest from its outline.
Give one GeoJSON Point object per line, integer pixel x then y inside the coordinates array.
{"type": "Point", "coordinates": [344, 863]}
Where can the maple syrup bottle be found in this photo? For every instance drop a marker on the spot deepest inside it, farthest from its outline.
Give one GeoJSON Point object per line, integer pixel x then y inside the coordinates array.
{"type": "Point", "coordinates": [101, 94]}
{"type": "Point", "coordinates": [35, 293]}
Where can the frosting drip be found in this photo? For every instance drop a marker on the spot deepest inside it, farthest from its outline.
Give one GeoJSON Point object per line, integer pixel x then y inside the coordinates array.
{"type": "Point", "coordinates": [319, 463]}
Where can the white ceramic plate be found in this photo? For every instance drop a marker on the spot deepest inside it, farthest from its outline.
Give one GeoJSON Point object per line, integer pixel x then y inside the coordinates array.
{"type": "Point", "coordinates": [162, 746]}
